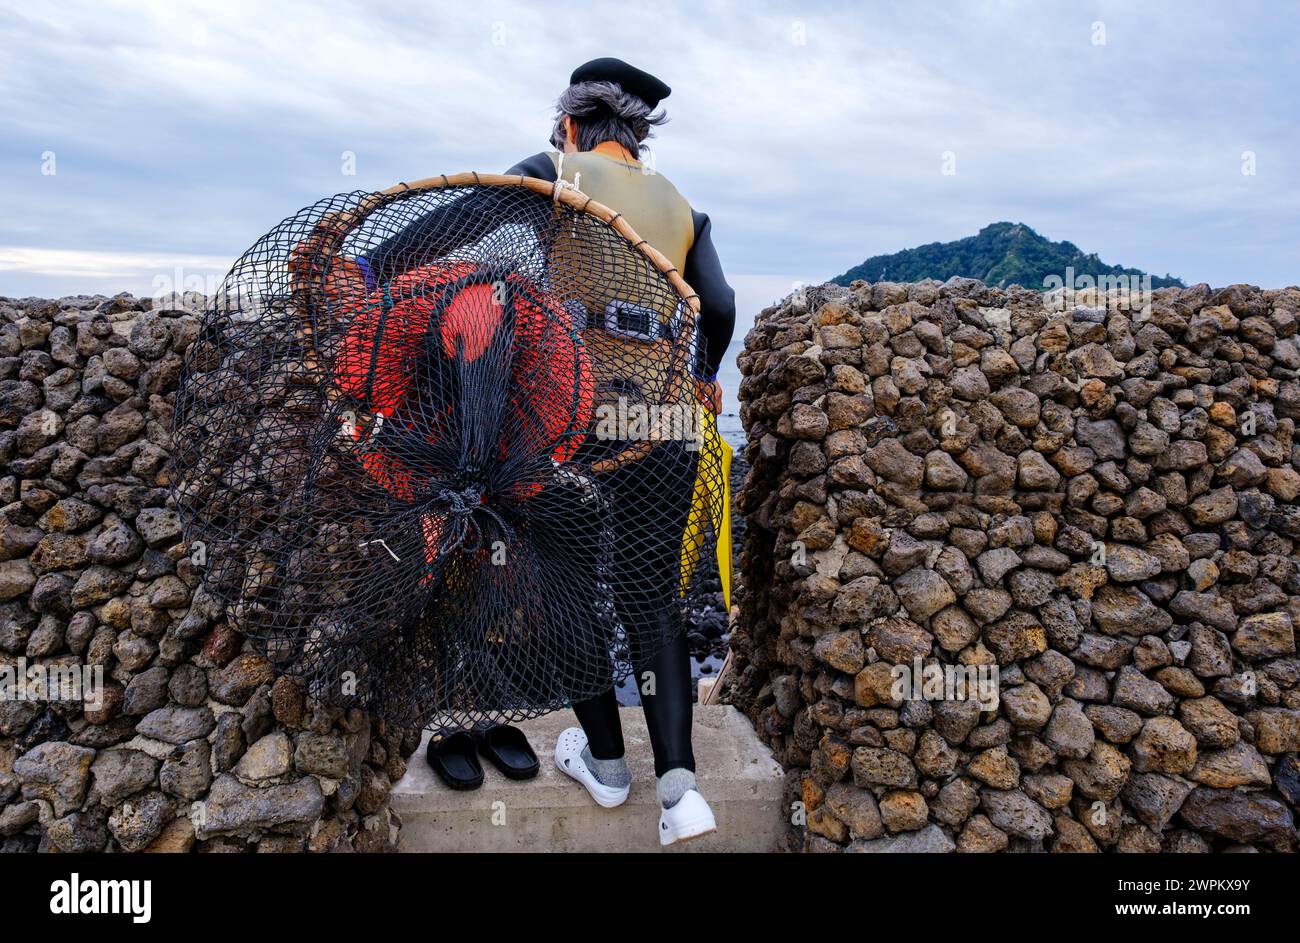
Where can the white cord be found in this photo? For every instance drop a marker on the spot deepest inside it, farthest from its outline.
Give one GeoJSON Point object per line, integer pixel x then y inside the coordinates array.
{"type": "Point", "coordinates": [560, 182]}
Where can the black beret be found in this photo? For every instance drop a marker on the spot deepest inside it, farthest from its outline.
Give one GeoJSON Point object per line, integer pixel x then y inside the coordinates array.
{"type": "Point", "coordinates": [631, 79]}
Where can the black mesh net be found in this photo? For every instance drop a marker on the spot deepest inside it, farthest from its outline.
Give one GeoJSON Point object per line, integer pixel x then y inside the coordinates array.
{"type": "Point", "coordinates": [444, 454]}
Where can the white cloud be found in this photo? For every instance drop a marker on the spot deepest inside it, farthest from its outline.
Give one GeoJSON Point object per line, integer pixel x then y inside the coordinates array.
{"type": "Point", "coordinates": [810, 131]}
{"type": "Point", "coordinates": [74, 263]}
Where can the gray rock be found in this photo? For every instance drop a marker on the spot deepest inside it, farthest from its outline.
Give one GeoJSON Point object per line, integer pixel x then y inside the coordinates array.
{"type": "Point", "coordinates": [1182, 455]}
{"type": "Point", "coordinates": [177, 725]}
{"type": "Point", "coordinates": [1136, 691]}
{"type": "Point", "coordinates": [16, 578]}
{"type": "Point", "coordinates": [843, 651]}
{"type": "Point", "coordinates": [1127, 564]}
{"type": "Point", "coordinates": [160, 527]}
{"type": "Point", "coordinates": [929, 840]}
{"type": "Point", "coordinates": [862, 600]}
{"type": "Point", "coordinates": [995, 564]}
{"type": "Point", "coordinates": [873, 766]}
{"type": "Point", "coordinates": [857, 809]}
{"type": "Point", "coordinates": [187, 773]}
{"type": "Point", "coordinates": [1031, 588]}
{"type": "Point", "coordinates": [943, 473]}
{"type": "Point", "coordinates": [1239, 816]}
{"type": "Point", "coordinates": [1209, 608]}
{"type": "Point", "coordinates": [1102, 775]}
{"type": "Point", "coordinates": [1027, 706]}
{"type": "Point", "coordinates": [321, 754]}
{"type": "Point", "coordinates": [1104, 437]}
{"type": "Point", "coordinates": [1069, 732]}
{"type": "Point", "coordinates": [140, 819]}
{"type": "Point", "coordinates": [78, 833]}
{"type": "Point", "coordinates": [892, 461]}
{"type": "Point", "coordinates": [1016, 814]}
{"type": "Point", "coordinates": [1155, 798]}
{"type": "Point", "coordinates": [150, 336]}
{"type": "Point", "coordinates": [233, 808]}
{"type": "Point", "coordinates": [57, 772]}
{"type": "Point", "coordinates": [121, 773]}
{"type": "Point", "coordinates": [1126, 612]}
{"type": "Point", "coordinates": [923, 592]}
{"type": "Point", "coordinates": [268, 758]}
{"type": "Point", "coordinates": [1286, 776]}
{"type": "Point", "coordinates": [116, 544]}
{"type": "Point", "coordinates": [987, 605]}
{"type": "Point", "coordinates": [18, 815]}
{"type": "Point", "coordinates": [146, 692]}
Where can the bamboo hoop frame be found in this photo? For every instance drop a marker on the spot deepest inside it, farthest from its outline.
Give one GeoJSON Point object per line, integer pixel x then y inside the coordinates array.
{"type": "Point", "coordinates": [333, 228]}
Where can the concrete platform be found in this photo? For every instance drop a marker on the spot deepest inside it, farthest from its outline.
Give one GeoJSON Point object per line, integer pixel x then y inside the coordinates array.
{"type": "Point", "coordinates": [735, 771]}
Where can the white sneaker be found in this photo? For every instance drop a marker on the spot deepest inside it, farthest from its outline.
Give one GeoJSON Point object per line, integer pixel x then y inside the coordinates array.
{"type": "Point", "coordinates": [689, 818]}
{"type": "Point", "coordinates": [568, 757]}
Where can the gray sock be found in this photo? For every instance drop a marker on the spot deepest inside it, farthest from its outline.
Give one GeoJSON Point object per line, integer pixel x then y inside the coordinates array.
{"type": "Point", "coordinates": [673, 784]}
{"type": "Point", "coordinates": [607, 772]}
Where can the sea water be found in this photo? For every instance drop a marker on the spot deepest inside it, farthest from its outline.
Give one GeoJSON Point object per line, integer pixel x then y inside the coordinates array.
{"type": "Point", "coordinates": [729, 376]}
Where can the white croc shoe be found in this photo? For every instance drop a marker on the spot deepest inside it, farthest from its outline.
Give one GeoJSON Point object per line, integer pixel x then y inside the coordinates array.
{"type": "Point", "coordinates": [568, 757]}
{"type": "Point", "coordinates": [691, 817]}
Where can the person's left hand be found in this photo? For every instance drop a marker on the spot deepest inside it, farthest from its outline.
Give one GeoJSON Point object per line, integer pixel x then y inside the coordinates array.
{"type": "Point", "coordinates": [345, 281]}
{"type": "Point", "coordinates": [710, 392]}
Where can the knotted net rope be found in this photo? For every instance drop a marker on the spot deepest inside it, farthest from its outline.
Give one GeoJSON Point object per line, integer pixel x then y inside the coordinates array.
{"type": "Point", "coordinates": [442, 449]}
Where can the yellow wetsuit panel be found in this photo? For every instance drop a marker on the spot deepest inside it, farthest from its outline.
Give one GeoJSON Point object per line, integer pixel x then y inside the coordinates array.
{"type": "Point", "coordinates": [648, 201]}
{"type": "Point", "coordinates": [627, 366]}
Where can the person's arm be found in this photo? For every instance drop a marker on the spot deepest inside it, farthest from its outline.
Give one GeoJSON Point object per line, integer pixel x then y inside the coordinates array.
{"type": "Point", "coordinates": [436, 233]}
{"type": "Point", "coordinates": [717, 299]}
{"type": "Point", "coordinates": [540, 166]}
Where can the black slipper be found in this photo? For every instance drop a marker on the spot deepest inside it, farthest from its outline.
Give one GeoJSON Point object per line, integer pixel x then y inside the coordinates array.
{"type": "Point", "coordinates": [508, 750]}
{"type": "Point", "coordinates": [454, 758]}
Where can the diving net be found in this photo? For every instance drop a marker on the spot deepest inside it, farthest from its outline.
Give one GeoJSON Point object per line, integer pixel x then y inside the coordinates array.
{"type": "Point", "coordinates": [443, 452]}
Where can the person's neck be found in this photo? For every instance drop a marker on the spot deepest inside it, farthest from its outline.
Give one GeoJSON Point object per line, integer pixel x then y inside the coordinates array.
{"type": "Point", "coordinates": [613, 149]}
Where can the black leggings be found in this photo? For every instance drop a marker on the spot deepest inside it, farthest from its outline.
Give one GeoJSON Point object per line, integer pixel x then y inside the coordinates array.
{"type": "Point", "coordinates": [648, 543]}
{"type": "Point", "coordinates": [667, 711]}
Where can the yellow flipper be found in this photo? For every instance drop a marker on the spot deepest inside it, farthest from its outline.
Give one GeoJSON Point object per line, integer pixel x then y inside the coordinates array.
{"type": "Point", "coordinates": [724, 527]}
{"type": "Point", "coordinates": [710, 505]}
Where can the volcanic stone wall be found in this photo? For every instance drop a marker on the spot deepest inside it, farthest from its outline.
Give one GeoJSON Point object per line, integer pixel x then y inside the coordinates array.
{"type": "Point", "coordinates": [196, 744]}
{"type": "Point", "coordinates": [1100, 503]}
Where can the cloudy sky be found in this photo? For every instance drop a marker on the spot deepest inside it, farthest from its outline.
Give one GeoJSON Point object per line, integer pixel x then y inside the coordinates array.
{"type": "Point", "coordinates": [145, 142]}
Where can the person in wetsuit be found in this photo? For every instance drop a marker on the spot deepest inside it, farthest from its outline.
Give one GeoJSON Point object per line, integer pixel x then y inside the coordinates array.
{"type": "Point", "coordinates": [603, 119]}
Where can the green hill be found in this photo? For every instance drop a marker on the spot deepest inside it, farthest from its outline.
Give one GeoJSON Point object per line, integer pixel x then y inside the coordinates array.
{"type": "Point", "coordinates": [1001, 254]}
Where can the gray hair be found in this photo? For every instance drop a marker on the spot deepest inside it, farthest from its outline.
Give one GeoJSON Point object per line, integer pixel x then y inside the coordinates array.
{"type": "Point", "coordinates": [604, 112]}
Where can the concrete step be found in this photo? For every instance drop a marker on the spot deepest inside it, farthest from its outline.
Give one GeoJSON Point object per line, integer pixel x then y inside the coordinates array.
{"type": "Point", "coordinates": [552, 812]}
